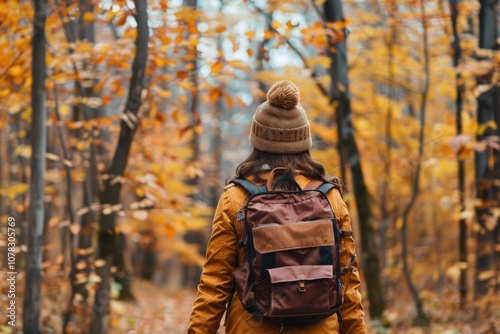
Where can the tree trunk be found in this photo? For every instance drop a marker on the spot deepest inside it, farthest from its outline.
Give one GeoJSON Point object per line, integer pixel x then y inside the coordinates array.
{"type": "Point", "coordinates": [421, 319]}
{"type": "Point", "coordinates": [386, 217]}
{"type": "Point", "coordinates": [110, 195]}
{"type": "Point", "coordinates": [487, 109]}
{"type": "Point", "coordinates": [31, 319]}
{"type": "Point", "coordinates": [85, 28]}
{"type": "Point", "coordinates": [82, 241]}
{"type": "Point", "coordinates": [349, 153]}
{"type": "Point", "coordinates": [462, 224]}
{"type": "Point", "coordinates": [191, 273]}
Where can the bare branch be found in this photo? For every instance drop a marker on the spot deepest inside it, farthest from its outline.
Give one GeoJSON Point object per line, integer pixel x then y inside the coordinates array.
{"type": "Point", "coordinates": [294, 48]}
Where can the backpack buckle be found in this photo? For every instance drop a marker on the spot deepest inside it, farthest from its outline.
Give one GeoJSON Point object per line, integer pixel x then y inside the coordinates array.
{"type": "Point", "coordinates": [302, 286]}
{"type": "Point", "coordinates": [241, 215]}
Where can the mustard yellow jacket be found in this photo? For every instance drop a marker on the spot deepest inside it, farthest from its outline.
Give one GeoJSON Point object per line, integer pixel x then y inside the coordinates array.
{"type": "Point", "coordinates": [216, 285]}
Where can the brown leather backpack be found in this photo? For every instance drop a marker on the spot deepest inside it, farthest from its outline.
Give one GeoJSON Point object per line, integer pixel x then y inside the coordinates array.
{"type": "Point", "coordinates": [290, 271]}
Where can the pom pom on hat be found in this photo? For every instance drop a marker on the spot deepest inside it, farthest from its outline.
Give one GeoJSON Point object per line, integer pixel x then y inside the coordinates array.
{"type": "Point", "coordinates": [284, 94]}
{"type": "Point", "coordinates": [280, 124]}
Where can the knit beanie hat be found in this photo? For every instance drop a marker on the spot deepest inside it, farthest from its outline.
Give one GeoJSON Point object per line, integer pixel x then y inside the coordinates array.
{"type": "Point", "coordinates": [280, 124]}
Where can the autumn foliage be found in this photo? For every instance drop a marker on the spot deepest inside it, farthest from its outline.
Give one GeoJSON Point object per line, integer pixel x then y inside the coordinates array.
{"type": "Point", "coordinates": [208, 66]}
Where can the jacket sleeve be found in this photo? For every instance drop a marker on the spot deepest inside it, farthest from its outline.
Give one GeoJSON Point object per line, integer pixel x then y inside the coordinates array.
{"type": "Point", "coordinates": [216, 284]}
{"type": "Point", "coordinates": [351, 310]}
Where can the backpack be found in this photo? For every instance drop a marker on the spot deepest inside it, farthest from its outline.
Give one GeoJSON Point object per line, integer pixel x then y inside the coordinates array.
{"type": "Point", "coordinates": [290, 270]}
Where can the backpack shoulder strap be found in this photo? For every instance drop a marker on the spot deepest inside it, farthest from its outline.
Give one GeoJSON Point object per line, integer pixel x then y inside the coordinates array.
{"type": "Point", "coordinates": [322, 187]}
{"type": "Point", "coordinates": [250, 187]}
{"type": "Point", "coordinates": [325, 187]}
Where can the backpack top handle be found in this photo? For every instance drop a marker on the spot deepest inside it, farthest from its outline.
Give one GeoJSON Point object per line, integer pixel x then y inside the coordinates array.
{"type": "Point", "coordinates": [285, 180]}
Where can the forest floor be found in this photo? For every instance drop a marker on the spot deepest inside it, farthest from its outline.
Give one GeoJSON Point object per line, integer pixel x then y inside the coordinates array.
{"type": "Point", "coordinates": [156, 310]}
{"type": "Point", "coordinates": [160, 310]}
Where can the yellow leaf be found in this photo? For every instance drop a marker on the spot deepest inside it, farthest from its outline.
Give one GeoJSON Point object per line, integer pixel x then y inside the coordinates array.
{"type": "Point", "coordinates": [4, 92]}
{"type": "Point", "coordinates": [486, 275]}
{"type": "Point", "coordinates": [276, 25]}
{"type": "Point", "coordinates": [23, 151]}
{"type": "Point", "coordinates": [14, 108]}
{"type": "Point", "coordinates": [88, 16]}
{"type": "Point", "coordinates": [216, 67]}
{"type": "Point", "coordinates": [250, 34]}
{"type": "Point", "coordinates": [166, 94]}
{"type": "Point", "coordinates": [16, 70]}
{"type": "Point", "coordinates": [399, 223]}
{"type": "Point", "coordinates": [15, 190]}
{"type": "Point", "coordinates": [193, 40]}
{"type": "Point", "coordinates": [64, 110]}
{"type": "Point", "coordinates": [110, 15]}
{"type": "Point", "coordinates": [483, 127]}
{"type": "Point", "coordinates": [268, 34]}
{"type": "Point", "coordinates": [52, 156]}
{"type": "Point", "coordinates": [99, 263]}
{"type": "Point", "coordinates": [198, 129]}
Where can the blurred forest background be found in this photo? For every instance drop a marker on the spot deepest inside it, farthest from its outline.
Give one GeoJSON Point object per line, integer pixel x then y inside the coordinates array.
{"type": "Point", "coordinates": [139, 113]}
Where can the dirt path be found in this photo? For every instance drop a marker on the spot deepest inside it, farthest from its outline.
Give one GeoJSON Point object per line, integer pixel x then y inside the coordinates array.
{"type": "Point", "coordinates": [157, 310]}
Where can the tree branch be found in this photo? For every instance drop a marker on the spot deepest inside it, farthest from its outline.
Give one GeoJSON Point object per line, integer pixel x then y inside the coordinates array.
{"type": "Point", "coordinates": [294, 48]}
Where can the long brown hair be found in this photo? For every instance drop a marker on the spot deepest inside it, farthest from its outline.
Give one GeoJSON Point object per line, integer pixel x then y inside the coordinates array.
{"type": "Point", "coordinates": [259, 161]}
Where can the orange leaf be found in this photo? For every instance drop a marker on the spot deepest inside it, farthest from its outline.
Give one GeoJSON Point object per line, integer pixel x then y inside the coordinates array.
{"type": "Point", "coordinates": [106, 100]}
{"type": "Point", "coordinates": [181, 75]}
{"type": "Point", "coordinates": [220, 29]}
{"type": "Point", "coordinates": [240, 101]}
{"type": "Point", "coordinates": [268, 34]}
{"type": "Point", "coordinates": [215, 94]}
{"type": "Point", "coordinates": [166, 40]}
{"type": "Point", "coordinates": [164, 4]}
{"type": "Point", "coordinates": [217, 67]}
{"type": "Point", "coordinates": [290, 25]}
{"type": "Point", "coordinates": [115, 85]}
{"type": "Point", "coordinates": [122, 19]}
{"type": "Point", "coordinates": [229, 101]}
{"type": "Point", "coordinates": [121, 92]}
{"type": "Point", "coordinates": [100, 85]}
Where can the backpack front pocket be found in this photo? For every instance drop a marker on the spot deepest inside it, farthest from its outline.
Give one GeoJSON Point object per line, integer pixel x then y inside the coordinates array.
{"type": "Point", "coordinates": [300, 290]}
{"type": "Point", "coordinates": [241, 281]}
